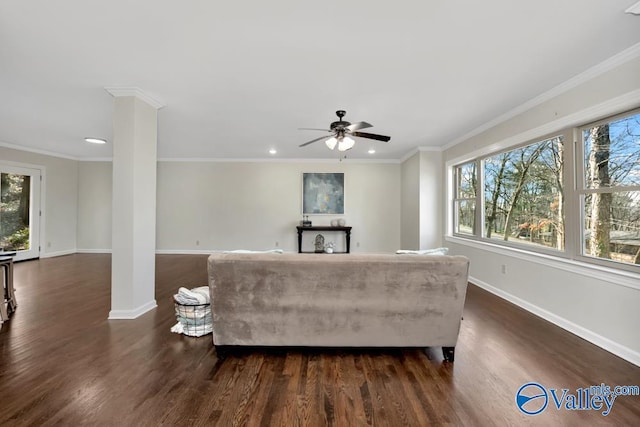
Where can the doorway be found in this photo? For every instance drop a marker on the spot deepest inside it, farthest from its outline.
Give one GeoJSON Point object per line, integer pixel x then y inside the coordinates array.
{"type": "Point", "coordinates": [20, 211]}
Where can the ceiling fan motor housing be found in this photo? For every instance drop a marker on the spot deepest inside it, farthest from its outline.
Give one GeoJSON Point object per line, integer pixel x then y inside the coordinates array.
{"type": "Point", "coordinates": [341, 124]}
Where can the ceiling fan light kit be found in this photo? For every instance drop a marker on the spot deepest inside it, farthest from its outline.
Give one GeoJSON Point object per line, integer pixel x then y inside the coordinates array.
{"type": "Point", "coordinates": [331, 142]}
{"type": "Point", "coordinates": [341, 130]}
{"type": "Point", "coordinates": [346, 143]}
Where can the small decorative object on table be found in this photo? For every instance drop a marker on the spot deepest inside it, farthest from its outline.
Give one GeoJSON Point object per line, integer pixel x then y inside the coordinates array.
{"type": "Point", "coordinates": [334, 222]}
{"type": "Point", "coordinates": [305, 221]}
{"type": "Point", "coordinates": [328, 248]}
{"type": "Point", "coordinates": [319, 243]}
{"type": "Point", "coordinates": [341, 222]}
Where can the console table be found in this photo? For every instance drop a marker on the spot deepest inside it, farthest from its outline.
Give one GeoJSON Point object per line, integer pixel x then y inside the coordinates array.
{"type": "Point", "coordinates": [346, 230]}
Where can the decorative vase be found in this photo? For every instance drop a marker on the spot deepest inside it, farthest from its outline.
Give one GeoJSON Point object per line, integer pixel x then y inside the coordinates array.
{"type": "Point", "coordinates": [319, 243]}
{"type": "Point", "coordinates": [341, 222]}
{"type": "Point", "coordinates": [334, 222]}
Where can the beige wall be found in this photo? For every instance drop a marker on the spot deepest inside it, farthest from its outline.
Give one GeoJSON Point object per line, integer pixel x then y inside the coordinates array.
{"type": "Point", "coordinates": [410, 224]}
{"type": "Point", "coordinates": [94, 206]}
{"type": "Point", "coordinates": [243, 205]}
{"type": "Point", "coordinates": [431, 193]}
{"type": "Point", "coordinates": [60, 186]}
{"type": "Point", "coordinates": [204, 206]}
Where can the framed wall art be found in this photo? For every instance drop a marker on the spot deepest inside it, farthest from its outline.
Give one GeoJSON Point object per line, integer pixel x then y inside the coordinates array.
{"type": "Point", "coordinates": [322, 193]}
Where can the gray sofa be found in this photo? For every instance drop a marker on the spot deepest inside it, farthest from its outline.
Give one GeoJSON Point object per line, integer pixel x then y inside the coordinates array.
{"type": "Point", "coordinates": [338, 300]}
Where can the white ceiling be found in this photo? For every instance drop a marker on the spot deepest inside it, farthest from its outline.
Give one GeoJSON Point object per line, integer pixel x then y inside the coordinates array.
{"type": "Point", "coordinates": [238, 78]}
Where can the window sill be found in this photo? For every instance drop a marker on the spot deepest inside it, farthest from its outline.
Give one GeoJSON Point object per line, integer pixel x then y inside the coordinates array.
{"type": "Point", "coordinates": [612, 275]}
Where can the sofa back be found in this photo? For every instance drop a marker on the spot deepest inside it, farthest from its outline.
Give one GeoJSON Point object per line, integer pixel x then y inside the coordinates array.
{"type": "Point", "coordinates": [370, 300]}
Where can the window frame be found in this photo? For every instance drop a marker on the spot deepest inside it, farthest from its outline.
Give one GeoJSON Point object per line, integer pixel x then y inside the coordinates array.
{"type": "Point", "coordinates": [456, 199]}
{"type": "Point", "coordinates": [581, 189]}
{"type": "Point", "coordinates": [573, 190]}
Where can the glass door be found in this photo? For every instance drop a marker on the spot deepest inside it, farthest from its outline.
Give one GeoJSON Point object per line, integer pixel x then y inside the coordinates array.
{"type": "Point", "coordinates": [20, 211]}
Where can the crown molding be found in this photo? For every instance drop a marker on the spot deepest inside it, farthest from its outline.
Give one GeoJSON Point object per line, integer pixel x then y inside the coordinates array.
{"type": "Point", "coordinates": [117, 91]}
{"type": "Point", "coordinates": [620, 103]}
{"type": "Point", "coordinates": [238, 160]}
{"type": "Point", "coordinates": [37, 151]}
{"type": "Point", "coordinates": [417, 150]}
{"type": "Point", "coordinates": [200, 159]}
{"type": "Point", "coordinates": [272, 160]}
{"type": "Point", "coordinates": [615, 61]}
{"type": "Point", "coordinates": [95, 159]}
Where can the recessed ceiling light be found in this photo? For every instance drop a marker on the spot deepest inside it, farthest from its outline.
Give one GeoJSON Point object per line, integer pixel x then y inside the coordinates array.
{"type": "Point", "coordinates": [372, 151]}
{"type": "Point", "coordinates": [95, 140]}
{"type": "Point", "coordinates": [273, 151]}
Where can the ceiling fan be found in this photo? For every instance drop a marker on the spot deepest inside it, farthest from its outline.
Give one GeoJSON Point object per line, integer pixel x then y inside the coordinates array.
{"type": "Point", "coordinates": [341, 134]}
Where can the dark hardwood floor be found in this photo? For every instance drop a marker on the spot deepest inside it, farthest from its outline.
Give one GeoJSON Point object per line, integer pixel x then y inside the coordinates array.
{"type": "Point", "coordinates": [63, 363]}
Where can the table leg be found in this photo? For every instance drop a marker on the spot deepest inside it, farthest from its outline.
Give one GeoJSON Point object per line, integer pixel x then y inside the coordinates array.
{"type": "Point", "coordinates": [4, 315]}
{"type": "Point", "coordinates": [348, 236]}
{"type": "Point", "coordinates": [13, 303]}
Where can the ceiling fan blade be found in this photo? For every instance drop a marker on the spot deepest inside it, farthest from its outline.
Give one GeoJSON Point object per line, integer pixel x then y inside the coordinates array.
{"type": "Point", "coordinates": [372, 136]}
{"type": "Point", "coordinates": [358, 125]}
{"type": "Point", "coordinates": [326, 130]}
{"type": "Point", "coordinates": [313, 140]}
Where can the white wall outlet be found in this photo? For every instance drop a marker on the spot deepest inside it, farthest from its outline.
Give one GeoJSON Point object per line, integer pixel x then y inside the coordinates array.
{"type": "Point", "coordinates": [277, 244]}
{"type": "Point", "coordinates": [197, 242]}
{"type": "Point", "coordinates": [503, 268]}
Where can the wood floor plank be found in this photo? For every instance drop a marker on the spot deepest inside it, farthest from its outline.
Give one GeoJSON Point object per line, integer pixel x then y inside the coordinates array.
{"type": "Point", "coordinates": [63, 363]}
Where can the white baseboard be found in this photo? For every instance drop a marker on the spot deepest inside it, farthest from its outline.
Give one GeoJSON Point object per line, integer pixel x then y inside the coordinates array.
{"type": "Point", "coordinates": [605, 343]}
{"type": "Point", "coordinates": [132, 314]}
{"type": "Point", "coordinates": [108, 251]}
{"type": "Point", "coordinates": [57, 253]}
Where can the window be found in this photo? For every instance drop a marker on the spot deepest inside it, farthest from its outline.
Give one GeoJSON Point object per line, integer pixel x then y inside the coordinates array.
{"type": "Point", "coordinates": [547, 197]}
{"type": "Point", "coordinates": [610, 189]}
{"type": "Point", "coordinates": [465, 200]}
{"type": "Point", "coordinates": [523, 195]}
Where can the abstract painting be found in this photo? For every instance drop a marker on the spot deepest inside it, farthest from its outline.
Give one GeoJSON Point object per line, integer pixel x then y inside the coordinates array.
{"type": "Point", "coordinates": [322, 193]}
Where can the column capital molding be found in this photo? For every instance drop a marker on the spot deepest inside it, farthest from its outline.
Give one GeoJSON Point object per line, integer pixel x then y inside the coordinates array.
{"type": "Point", "coordinates": [117, 91]}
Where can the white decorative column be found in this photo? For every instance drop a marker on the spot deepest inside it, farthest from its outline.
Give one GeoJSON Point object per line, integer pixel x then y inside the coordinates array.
{"type": "Point", "coordinates": [135, 124]}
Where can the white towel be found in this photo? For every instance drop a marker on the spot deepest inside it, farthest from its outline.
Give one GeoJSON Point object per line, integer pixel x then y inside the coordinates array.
{"type": "Point", "coordinates": [193, 331]}
{"type": "Point", "coordinates": [194, 312]}
{"type": "Point", "coordinates": [188, 297]}
{"type": "Point", "coordinates": [437, 251]}
{"type": "Point", "coordinates": [177, 328]}
{"type": "Point", "coordinates": [204, 291]}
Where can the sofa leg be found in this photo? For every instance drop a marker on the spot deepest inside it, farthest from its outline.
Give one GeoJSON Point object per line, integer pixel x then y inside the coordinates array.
{"type": "Point", "coordinates": [448, 353]}
{"type": "Point", "coordinates": [221, 351]}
